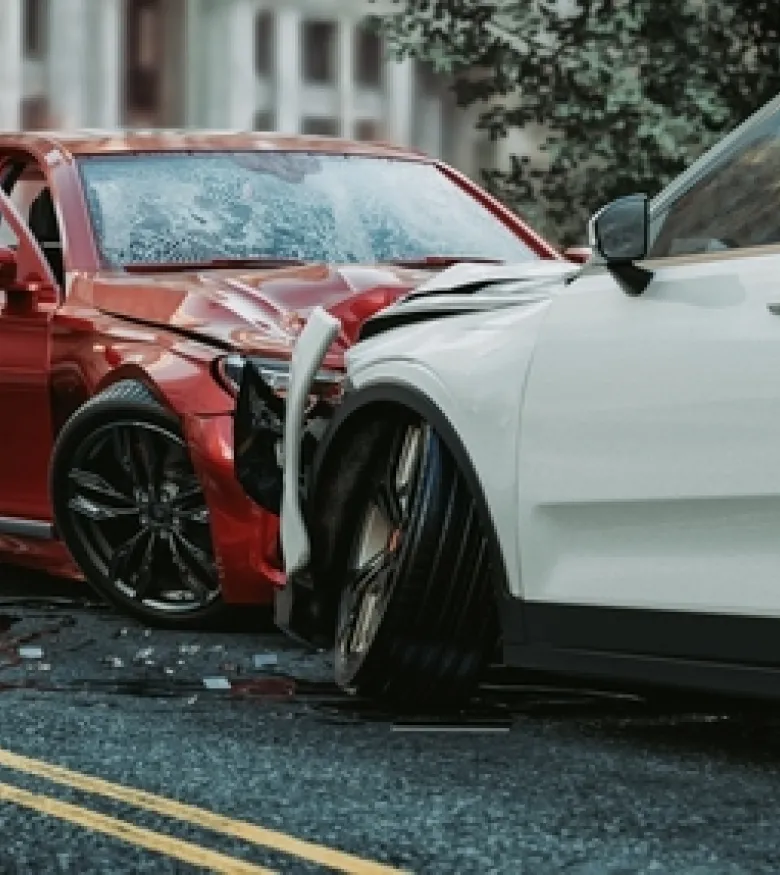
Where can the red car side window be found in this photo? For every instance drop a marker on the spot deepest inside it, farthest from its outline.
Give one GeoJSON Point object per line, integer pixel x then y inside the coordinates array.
{"type": "Point", "coordinates": [32, 266]}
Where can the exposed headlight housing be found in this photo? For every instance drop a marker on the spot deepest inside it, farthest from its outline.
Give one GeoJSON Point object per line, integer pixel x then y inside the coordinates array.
{"type": "Point", "coordinates": [275, 372]}
{"type": "Point", "coordinates": [259, 416]}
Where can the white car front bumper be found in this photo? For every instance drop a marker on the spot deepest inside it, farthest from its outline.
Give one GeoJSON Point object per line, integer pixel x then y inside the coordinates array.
{"type": "Point", "coordinates": [309, 352]}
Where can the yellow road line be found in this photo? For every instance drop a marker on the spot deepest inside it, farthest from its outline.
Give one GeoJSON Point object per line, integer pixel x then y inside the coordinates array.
{"type": "Point", "coordinates": [128, 832]}
{"type": "Point", "coordinates": [240, 829]}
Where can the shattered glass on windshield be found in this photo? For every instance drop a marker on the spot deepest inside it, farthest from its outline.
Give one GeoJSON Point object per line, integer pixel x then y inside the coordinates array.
{"type": "Point", "coordinates": [195, 207]}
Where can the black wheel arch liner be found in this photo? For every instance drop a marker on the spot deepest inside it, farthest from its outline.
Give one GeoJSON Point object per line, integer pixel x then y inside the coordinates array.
{"type": "Point", "coordinates": [358, 402]}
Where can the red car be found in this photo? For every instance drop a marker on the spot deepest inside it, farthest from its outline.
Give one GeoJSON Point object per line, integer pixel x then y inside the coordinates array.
{"type": "Point", "coordinates": [138, 271]}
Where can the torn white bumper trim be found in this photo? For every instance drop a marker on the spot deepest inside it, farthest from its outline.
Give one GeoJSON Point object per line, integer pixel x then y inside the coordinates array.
{"type": "Point", "coordinates": [309, 352]}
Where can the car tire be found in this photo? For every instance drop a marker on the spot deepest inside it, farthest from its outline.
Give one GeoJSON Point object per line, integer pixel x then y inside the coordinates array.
{"type": "Point", "coordinates": [129, 507]}
{"type": "Point", "coordinates": [433, 625]}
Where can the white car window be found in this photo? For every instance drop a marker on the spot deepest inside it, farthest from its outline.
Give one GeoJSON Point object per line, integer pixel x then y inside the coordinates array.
{"type": "Point", "coordinates": [734, 203]}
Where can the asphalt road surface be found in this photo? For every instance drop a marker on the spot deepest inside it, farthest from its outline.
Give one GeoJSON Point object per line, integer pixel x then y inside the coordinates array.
{"type": "Point", "coordinates": [129, 750]}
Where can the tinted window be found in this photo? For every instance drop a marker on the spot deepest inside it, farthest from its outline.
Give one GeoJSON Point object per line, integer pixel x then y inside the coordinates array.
{"type": "Point", "coordinates": [319, 51]}
{"type": "Point", "coordinates": [172, 208]}
{"type": "Point", "coordinates": [734, 204]}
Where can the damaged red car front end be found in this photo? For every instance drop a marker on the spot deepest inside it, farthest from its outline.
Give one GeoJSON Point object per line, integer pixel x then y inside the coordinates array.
{"type": "Point", "coordinates": [141, 273]}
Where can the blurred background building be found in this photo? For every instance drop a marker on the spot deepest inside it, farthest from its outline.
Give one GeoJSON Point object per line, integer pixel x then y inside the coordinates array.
{"type": "Point", "coordinates": [295, 66]}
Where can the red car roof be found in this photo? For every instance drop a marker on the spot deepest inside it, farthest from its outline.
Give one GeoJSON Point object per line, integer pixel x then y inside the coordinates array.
{"type": "Point", "coordinates": [111, 142]}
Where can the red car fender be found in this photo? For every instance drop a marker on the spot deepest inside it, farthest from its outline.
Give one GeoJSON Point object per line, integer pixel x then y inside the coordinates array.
{"type": "Point", "coordinates": [186, 387]}
{"type": "Point", "coordinates": [245, 537]}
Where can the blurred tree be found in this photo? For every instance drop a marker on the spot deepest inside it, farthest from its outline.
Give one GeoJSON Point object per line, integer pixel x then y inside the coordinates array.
{"type": "Point", "coordinates": [627, 92]}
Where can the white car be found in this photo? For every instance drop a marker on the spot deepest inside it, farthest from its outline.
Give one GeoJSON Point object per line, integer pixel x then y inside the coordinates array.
{"type": "Point", "coordinates": [575, 468]}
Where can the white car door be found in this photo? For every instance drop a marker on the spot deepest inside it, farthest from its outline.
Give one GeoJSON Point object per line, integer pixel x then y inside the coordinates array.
{"type": "Point", "coordinates": [649, 470]}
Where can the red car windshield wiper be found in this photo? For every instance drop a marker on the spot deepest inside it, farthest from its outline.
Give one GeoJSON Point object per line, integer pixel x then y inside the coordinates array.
{"type": "Point", "coordinates": [442, 260]}
{"type": "Point", "coordinates": [215, 264]}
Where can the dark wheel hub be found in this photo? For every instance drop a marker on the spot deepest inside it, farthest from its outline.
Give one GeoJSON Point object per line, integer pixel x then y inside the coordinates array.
{"type": "Point", "coordinates": [159, 516]}
{"type": "Point", "coordinates": [138, 509]}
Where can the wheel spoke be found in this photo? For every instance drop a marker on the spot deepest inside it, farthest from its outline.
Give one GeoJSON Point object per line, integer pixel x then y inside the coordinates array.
{"type": "Point", "coordinates": [367, 575]}
{"type": "Point", "coordinates": [365, 584]}
{"type": "Point", "coordinates": [149, 460]}
{"type": "Point", "coordinates": [123, 450]}
{"type": "Point", "coordinates": [142, 579]}
{"type": "Point", "coordinates": [407, 459]}
{"type": "Point", "coordinates": [191, 562]}
{"type": "Point", "coordinates": [200, 557]}
{"type": "Point", "coordinates": [97, 512]}
{"type": "Point", "coordinates": [365, 621]}
{"type": "Point", "coordinates": [92, 482]}
{"type": "Point", "coordinates": [122, 556]}
{"type": "Point", "coordinates": [345, 631]}
{"type": "Point", "coordinates": [192, 490]}
{"type": "Point", "coordinates": [198, 515]}
{"type": "Point", "coordinates": [388, 503]}
{"type": "Point", "coordinates": [134, 450]}
{"type": "Point", "coordinates": [392, 494]}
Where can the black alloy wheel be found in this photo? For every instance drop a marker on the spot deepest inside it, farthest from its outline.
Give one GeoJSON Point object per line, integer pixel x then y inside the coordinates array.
{"type": "Point", "coordinates": [131, 510]}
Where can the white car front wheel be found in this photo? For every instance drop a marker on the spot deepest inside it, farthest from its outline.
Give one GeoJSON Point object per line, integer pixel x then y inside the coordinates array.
{"type": "Point", "coordinates": [416, 619]}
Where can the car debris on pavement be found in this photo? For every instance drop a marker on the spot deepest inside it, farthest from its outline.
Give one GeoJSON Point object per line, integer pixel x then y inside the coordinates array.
{"type": "Point", "coordinates": [216, 683]}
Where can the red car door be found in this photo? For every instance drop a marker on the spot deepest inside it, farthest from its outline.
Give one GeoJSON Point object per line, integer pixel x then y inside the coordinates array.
{"type": "Point", "coordinates": [28, 299]}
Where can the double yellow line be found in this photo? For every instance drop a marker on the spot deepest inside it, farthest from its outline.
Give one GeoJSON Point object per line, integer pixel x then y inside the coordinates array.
{"type": "Point", "coordinates": [187, 852]}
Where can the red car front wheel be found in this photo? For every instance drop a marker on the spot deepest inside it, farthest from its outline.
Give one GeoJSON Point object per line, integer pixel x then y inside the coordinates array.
{"type": "Point", "coordinates": [131, 510]}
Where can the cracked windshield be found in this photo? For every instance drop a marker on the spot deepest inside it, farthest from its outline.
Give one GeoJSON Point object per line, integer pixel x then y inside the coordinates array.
{"type": "Point", "coordinates": [286, 205]}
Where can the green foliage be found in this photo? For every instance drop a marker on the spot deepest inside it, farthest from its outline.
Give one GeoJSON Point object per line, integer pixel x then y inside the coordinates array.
{"type": "Point", "coordinates": [629, 92]}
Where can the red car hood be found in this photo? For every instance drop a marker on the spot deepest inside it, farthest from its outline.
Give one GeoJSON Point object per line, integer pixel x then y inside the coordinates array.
{"type": "Point", "coordinates": [261, 311]}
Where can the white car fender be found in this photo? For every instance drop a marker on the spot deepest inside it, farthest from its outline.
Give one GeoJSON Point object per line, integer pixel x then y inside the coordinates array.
{"type": "Point", "coordinates": [452, 363]}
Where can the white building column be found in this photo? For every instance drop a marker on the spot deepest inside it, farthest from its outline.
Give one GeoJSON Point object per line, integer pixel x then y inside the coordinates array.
{"type": "Point", "coordinates": [240, 60]}
{"type": "Point", "coordinates": [429, 134]}
{"type": "Point", "coordinates": [208, 83]}
{"type": "Point", "coordinates": [466, 137]}
{"type": "Point", "coordinates": [109, 69]}
{"type": "Point", "coordinates": [346, 76]}
{"type": "Point", "coordinates": [196, 62]}
{"type": "Point", "coordinates": [399, 76]}
{"type": "Point", "coordinates": [287, 52]}
{"type": "Point", "coordinates": [70, 48]}
{"type": "Point", "coordinates": [10, 63]}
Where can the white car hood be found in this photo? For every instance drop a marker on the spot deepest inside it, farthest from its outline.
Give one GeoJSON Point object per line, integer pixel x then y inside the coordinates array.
{"type": "Point", "coordinates": [466, 288]}
{"type": "Point", "coordinates": [464, 276]}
